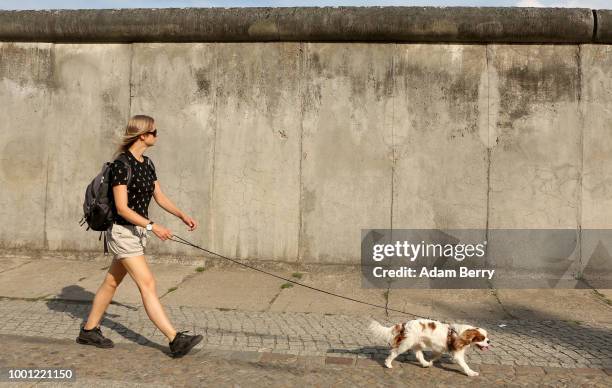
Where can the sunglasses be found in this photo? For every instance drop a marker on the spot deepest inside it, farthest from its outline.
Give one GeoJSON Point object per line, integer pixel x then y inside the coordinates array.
{"type": "Point", "coordinates": [154, 133]}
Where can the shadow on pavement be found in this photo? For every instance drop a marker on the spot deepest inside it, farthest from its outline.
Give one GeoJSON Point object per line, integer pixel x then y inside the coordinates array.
{"type": "Point", "coordinates": [80, 310]}
{"type": "Point", "coordinates": [551, 329]}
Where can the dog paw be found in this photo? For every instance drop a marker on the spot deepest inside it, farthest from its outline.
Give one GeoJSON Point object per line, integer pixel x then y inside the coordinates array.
{"type": "Point", "coordinates": [388, 365]}
{"type": "Point", "coordinates": [427, 364]}
{"type": "Point", "coordinates": [471, 373]}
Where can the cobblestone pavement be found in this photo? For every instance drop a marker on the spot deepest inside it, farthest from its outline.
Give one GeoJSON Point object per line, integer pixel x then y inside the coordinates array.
{"type": "Point", "coordinates": [131, 365]}
{"type": "Point", "coordinates": [515, 343]}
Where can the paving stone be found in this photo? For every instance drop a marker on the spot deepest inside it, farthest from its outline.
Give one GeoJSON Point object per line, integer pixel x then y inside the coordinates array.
{"type": "Point", "coordinates": [339, 361]}
{"type": "Point", "coordinates": [368, 362]}
{"type": "Point", "coordinates": [554, 370]}
{"type": "Point", "coordinates": [248, 356]}
{"type": "Point", "coordinates": [278, 357]}
{"type": "Point", "coordinates": [588, 371]}
{"type": "Point", "coordinates": [311, 360]}
{"type": "Point", "coordinates": [527, 370]}
{"type": "Point", "coordinates": [497, 369]}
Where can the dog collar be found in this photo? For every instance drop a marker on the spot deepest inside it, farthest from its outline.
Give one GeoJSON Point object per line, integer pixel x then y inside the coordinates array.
{"type": "Point", "coordinates": [450, 341]}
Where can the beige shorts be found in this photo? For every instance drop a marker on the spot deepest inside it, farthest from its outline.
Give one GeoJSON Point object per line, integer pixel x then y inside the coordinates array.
{"type": "Point", "coordinates": [126, 240]}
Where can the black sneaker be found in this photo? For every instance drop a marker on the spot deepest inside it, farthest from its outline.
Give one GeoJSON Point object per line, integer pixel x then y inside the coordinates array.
{"type": "Point", "coordinates": [94, 337]}
{"type": "Point", "coordinates": [183, 343]}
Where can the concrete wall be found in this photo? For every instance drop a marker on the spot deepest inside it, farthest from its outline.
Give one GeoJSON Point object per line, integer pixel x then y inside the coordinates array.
{"type": "Point", "coordinates": [285, 150]}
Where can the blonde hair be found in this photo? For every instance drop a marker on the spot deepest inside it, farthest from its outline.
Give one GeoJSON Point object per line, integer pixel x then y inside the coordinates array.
{"type": "Point", "coordinates": [136, 126]}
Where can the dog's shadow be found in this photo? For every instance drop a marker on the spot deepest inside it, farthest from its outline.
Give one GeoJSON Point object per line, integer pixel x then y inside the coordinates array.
{"type": "Point", "coordinates": [380, 353]}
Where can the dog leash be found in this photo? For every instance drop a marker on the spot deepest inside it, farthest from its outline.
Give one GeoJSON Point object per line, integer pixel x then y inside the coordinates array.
{"type": "Point", "coordinates": [293, 281]}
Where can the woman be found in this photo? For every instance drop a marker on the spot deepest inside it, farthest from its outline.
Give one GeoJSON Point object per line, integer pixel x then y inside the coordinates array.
{"type": "Point", "coordinates": [127, 237]}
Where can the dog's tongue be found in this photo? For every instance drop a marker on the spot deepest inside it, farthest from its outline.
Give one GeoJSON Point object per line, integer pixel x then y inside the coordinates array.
{"type": "Point", "coordinates": [484, 348]}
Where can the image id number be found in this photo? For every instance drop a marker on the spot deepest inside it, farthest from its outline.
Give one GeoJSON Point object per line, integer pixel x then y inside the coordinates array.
{"type": "Point", "coordinates": [20, 374]}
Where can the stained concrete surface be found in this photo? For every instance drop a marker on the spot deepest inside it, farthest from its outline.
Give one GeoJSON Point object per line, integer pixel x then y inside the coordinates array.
{"type": "Point", "coordinates": [245, 289]}
{"type": "Point", "coordinates": [286, 150]}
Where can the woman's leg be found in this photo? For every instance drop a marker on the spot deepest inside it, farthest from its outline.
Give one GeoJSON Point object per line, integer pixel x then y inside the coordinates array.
{"type": "Point", "coordinates": [105, 293]}
{"type": "Point", "coordinates": [143, 277]}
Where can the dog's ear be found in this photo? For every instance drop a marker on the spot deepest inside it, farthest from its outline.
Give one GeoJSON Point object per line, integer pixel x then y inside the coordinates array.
{"type": "Point", "coordinates": [472, 335]}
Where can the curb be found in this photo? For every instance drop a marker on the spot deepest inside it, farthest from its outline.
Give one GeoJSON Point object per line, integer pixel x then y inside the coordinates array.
{"type": "Point", "coordinates": [323, 361]}
{"type": "Point", "coordinates": [269, 358]}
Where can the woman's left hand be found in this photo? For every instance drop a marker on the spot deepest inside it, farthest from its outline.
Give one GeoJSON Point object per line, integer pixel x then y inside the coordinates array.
{"type": "Point", "coordinates": [189, 222]}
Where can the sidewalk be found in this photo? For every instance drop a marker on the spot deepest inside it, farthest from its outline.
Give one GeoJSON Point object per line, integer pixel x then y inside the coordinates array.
{"type": "Point", "coordinates": [255, 318]}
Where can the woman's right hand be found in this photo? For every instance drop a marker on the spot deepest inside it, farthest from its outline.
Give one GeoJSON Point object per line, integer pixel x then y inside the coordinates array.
{"type": "Point", "coordinates": [162, 232]}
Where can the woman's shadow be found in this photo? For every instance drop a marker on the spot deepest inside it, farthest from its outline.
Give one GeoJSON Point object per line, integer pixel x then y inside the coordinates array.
{"type": "Point", "coordinates": [65, 302]}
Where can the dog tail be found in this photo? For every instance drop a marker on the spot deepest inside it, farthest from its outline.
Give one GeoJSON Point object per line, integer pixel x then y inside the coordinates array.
{"type": "Point", "coordinates": [381, 332]}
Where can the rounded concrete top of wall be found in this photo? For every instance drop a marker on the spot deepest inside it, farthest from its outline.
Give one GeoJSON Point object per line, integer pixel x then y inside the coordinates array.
{"type": "Point", "coordinates": [335, 24]}
{"type": "Point", "coordinates": [604, 26]}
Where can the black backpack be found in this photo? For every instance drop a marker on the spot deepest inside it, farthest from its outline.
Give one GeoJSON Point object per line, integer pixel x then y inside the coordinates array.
{"type": "Point", "coordinates": [99, 210]}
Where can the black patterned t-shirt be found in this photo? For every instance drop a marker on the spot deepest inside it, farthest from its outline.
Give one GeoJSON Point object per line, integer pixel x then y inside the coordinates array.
{"type": "Point", "coordinates": [141, 188]}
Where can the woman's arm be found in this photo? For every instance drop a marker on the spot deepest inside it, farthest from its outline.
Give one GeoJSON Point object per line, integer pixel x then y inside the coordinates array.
{"type": "Point", "coordinates": [121, 201]}
{"type": "Point", "coordinates": [165, 203]}
{"type": "Point", "coordinates": [120, 194]}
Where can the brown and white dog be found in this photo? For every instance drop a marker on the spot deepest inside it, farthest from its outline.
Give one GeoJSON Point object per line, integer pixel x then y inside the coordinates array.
{"type": "Point", "coordinates": [422, 334]}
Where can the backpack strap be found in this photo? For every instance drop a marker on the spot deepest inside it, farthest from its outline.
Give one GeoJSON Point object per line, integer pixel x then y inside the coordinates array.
{"type": "Point", "coordinates": [123, 159]}
{"type": "Point", "coordinates": [150, 163]}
